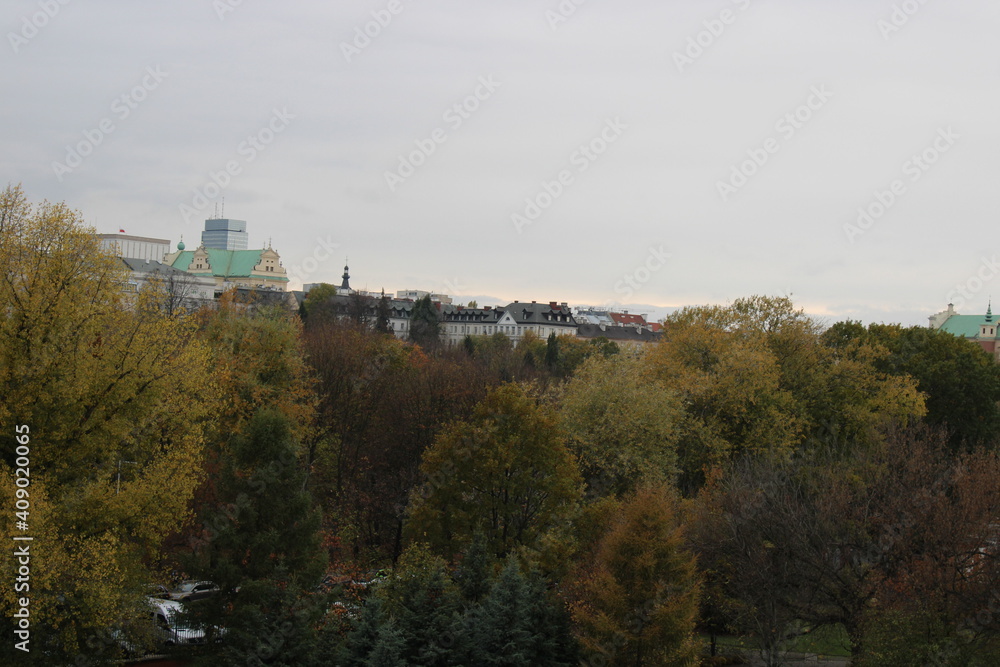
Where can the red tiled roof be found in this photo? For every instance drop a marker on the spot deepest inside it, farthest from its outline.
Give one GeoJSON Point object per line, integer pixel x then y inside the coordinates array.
{"type": "Point", "coordinates": [625, 318]}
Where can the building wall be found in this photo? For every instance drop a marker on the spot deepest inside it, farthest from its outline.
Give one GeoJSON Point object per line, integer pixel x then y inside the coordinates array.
{"type": "Point", "coordinates": [135, 247]}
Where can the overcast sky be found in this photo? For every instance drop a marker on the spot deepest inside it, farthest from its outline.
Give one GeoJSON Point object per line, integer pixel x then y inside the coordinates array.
{"type": "Point", "coordinates": [636, 152]}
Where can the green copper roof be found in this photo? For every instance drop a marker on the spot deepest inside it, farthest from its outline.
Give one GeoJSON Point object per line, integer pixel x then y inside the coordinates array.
{"type": "Point", "coordinates": [225, 263]}
{"type": "Point", "coordinates": [963, 325]}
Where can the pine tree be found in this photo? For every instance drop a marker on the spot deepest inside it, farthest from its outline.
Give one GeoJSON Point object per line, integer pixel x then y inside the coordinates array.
{"type": "Point", "coordinates": [475, 571]}
{"type": "Point", "coordinates": [425, 328]}
{"type": "Point", "coordinates": [519, 624]}
{"type": "Point", "coordinates": [552, 351]}
{"type": "Point", "coordinates": [265, 551]}
{"type": "Point", "coordinates": [425, 605]}
{"type": "Point", "coordinates": [382, 315]}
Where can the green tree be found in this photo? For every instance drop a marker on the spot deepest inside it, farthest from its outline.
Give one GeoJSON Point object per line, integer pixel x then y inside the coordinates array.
{"type": "Point", "coordinates": [425, 324]}
{"type": "Point", "coordinates": [519, 624]}
{"type": "Point", "coordinates": [504, 472]}
{"type": "Point", "coordinates": [316, 303]}
{"type": "Point", "coordinates": [382, 315]}
{"type": "Point", "coordinates": [552, 351]}
{"type": "Point", "coordinates": [425, 607]}
{"type": "Point", "coordinates": [960, 381]}
{"type": "Point", "coordinates": [263, 549]}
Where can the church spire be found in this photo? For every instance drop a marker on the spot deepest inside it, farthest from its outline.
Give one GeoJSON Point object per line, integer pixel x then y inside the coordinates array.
{"type": "Point", "coordinates": [346, 284]}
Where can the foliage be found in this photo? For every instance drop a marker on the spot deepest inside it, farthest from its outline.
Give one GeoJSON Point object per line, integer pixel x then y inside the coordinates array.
{"type": "Point", "coordinates": [961, 382]}
{"type": "Point", "coordinates": [425, 606]}
{"type": "Point", "coordinates": [115, 394]}
{"type": "Point", "coordinates": [382, 315]}
{"type": "Point", "coordinates": [316, 302]}
{"type": "Point", "coordinates": [519, 623]}
{"type": "Point", "coordinates": [419, 617]}
{"type": "Point", "coordinates": [636, 601]}
{"type": "Point", "coordinates": [902, 528]}
{"type": "Point", "coordinates": [622, 425]}
{"type": "Point", "coordinates": [263, 550]}
{"type": "Point", "coordinates": [425, 325]}
{"type": "Point", "coordinates": [258, 361]}
{"type": "Point", "coordinates": [504, 472]}
{"type": "Point", "coordinates": [757, 378]}
{"type": "Point", "coordinates": [381, 403]}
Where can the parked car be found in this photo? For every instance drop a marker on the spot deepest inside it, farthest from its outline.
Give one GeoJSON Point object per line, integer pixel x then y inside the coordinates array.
{"type": "Point", "coordinates": [158, 591]}
{"type": "Point", "coordinates": [189, 591]}
{"type": "Point", "coordinates": [167, 626]}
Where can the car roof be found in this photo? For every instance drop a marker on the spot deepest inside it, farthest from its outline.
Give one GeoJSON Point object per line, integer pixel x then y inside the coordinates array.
{"type": "Point", "coordinates": [167, 607]}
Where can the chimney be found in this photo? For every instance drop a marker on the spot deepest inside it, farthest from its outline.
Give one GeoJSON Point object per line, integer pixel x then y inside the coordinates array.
{"type": "Point", "coordinates": [563, 305]}
{"type": "Point", "coordinates": [552, 305]}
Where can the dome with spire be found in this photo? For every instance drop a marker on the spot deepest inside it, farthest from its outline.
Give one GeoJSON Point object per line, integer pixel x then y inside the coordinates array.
{"type": "Point", "coordinates": [346, 284]}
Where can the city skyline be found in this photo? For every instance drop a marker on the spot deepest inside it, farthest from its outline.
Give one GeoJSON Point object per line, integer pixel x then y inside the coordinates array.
{"type": "Point", "coordinates": [840, 154]}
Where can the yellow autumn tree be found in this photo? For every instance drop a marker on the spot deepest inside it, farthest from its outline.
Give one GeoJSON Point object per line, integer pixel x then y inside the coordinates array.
{"type": "Point", "coordinates": [756, 377]}
{"type": "Point", "coordinates": [622, 425]}
{"type": "Point", "coordinates": [113, 393]}
{"type": "Point", "coordinates": [635, 598]}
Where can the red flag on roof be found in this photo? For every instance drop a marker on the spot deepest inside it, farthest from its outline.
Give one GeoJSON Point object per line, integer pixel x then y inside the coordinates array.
{"type": "Point", "coordinates": [121, 231]}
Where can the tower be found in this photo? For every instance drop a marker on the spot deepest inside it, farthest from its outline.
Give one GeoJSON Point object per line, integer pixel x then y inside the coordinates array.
{"type": "Point", "coordinates": [225, 234]}
{"type": "Point", "coordinates": [988, 329]}
{"type": "Point", "coordinates": [345, 286]}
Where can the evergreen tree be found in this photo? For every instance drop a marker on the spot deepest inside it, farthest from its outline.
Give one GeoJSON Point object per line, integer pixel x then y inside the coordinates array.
{"type": "Point", "coordinates": [264, 551]}
{"type": "Point", "coordinates": [425, 328]}
{"type": "Point", "coordinates": [476, 570]}
{"type": "Point", "coordinates": [382, 314]}
{"type": "Point", "coordinates": [552, 351]}
{"type": "Point", "coordinates": [425, 605]}
{"type": "Point", "coordinates": [372, 627]}
{"type": "Point", "coordinates": [388, 648]}
{"type": "Point", "coordinates": [518, 624]}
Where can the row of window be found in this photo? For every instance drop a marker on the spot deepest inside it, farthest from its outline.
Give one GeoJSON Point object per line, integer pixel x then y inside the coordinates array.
{"type": "Point", "coordinates": [508, 329]}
